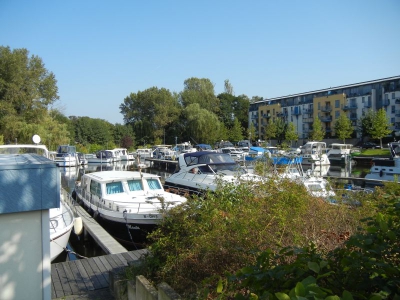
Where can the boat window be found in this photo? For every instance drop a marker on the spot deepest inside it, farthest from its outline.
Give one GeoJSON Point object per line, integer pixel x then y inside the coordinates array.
{"type": "Point", "coordinates": [135, 185]}
{"type": "Point", "coordinates": [314, 187]}
{"type": "Point", "coordinates": [114, 188]}
{"type": "Point", "coordinates": [95, 188]}
{"type": "Point", "coordinates": [154, 184]}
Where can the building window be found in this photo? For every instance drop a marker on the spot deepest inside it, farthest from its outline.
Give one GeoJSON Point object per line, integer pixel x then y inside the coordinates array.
{"type": "Point", "coordinates": [393, 95]}
{"type": "Point", "coordinates": [337, 103]}
{"type": "Point", "coordinates": [392, 120]}
{"type": "Point", "coordinates": [362, 99]}
{"type": "Point", "coordinates": [337, 114]}
{"type": "Point", "coordinates": [386, 97]}
{"type": "Point", "coordinates": [393, 109]}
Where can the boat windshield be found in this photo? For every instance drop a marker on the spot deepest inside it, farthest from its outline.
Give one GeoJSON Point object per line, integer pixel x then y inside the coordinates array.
{"type": "Point", "coordinates": [15, 149]}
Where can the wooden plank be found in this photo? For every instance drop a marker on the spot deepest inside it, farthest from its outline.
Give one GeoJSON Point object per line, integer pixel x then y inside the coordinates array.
{"type": "Point", "coordinates": [91, 275]}
{"type": "Point", "coordinates": [127, 257]}
{"type": "Point", "coordinates": [71, 278]}
{"type": "Point", "coordinates": [105, 262]}
{"type": "Point", "coordinates": [103, 269]}
{"type": "Point", "coordinates": [63, 280]}
{"type": "Point", "coordinates": [78, 277]}
{"type": "Point", "coordinates": [85, 276]}
{"type": "Point", "coordinates": [96, 270]}
{"type": "Point", "coordinates": [112, 262]}
{"type": "Point", "coordinates": [55, 280]}
{"type": "Point", "coordinates": [122, 258]}
{"type": "Point", "coordinates": [117, 260]}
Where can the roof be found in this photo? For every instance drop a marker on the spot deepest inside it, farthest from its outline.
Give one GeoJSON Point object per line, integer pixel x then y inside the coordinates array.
{"type": "Point", "coordinates": [119, 175]}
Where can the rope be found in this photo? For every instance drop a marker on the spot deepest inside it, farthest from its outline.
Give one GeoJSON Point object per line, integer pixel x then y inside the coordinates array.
{"type": "Point", "coordinates": [127, 227]}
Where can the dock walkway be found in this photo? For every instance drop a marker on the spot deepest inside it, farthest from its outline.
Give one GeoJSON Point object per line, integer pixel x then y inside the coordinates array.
{"type": "Point", "coordinates": [86, 276]}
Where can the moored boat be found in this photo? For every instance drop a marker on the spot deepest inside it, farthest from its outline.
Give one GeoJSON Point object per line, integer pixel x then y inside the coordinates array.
{"type": "Point", "coordinates": [340, 154]}
{"type": "Point", "coordinates": [126, 197]}
{"type": "Point", "coordinates": [314, 153]}
{"type": "Point", "coordinates": [67, 156]}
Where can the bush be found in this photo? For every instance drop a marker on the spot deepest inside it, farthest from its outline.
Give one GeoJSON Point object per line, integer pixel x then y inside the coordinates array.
{"type": "Point", "coordinates": [199, 243]}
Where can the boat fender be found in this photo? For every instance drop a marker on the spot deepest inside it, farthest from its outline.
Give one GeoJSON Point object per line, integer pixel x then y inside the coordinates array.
{"type": "Point", "coordinates": [78, 225]}
{"type": "Point", "coordinates": [73, 195]}
{"type": "Point", "coordinates": [380, 173]}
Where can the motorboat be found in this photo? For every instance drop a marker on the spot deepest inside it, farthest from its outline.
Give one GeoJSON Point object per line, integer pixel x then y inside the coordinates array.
{"type": "Point", "coordinates": [184, 148]}
{"type": "Point", "coordinates": [82, 158]}
{"type": "Point", "coordinates": [124, 154]}
{"type": "Point", "coordinates": [101, 157]}
{"type": "Point", "coordinates": [204, 170]}
{"type": "Point", "coordinates": [144, 153]}
{"type": "Point", "coordinates": [386, 169]}
{"type": "Point", "coordinates": [126, 197]}
{"type": "Point", "coordinates": [203, 147]}
{"type": "Point", "coordinates": [164, 152]}
{"type": "Point", "coordinates": [340, 154]}
{"type": "Point", "coordinates": [314, 153]}
{"type": "Point", "coordinates": [66, 156]}
{"type": "Point", "coordinates": [61, 220]}
{"type": "Point", "coordinates": [235, 153]}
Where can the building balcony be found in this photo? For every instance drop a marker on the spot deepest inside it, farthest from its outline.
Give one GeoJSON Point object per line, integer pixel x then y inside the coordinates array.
{"type": "Point", "coordinates": [282, 114]}
{"type": "Point", "coordinates": [326, 119]}
{"type": "Point", "coordinates": [326, 109]}
{"type": "Point", "coordinates": [397, 101]}
{"type": "Point", "coordinates": [350, 107]}
{"type": "Point", "coordinates": [254, 116]}
{"type": "Point", "coordinates": [296, 112]}
{"type": "Point", "coordinates": [385, 102]}
{"type": "Point", "coordinates": [308, 111]}
{"type": "Point", "coordinates": [353, 117]}
{"type": "Point", "coordinates": [268, 115]}
{"type": "Point", "coordinates": [308, 120]}
{"type": "Point", "coordinates": [367, 105]}
{"type": "Point", "coordinates": [328, 129]}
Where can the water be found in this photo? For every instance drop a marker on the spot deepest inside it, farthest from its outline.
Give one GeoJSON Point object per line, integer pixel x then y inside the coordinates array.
{"type": "Point", "coordinates": [89, 248]}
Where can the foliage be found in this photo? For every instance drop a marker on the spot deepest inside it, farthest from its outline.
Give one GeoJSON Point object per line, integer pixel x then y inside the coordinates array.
{"type": "Point", "coordinates": [232, 107]}
{"type": "Point", "coordinates": [27, 91]}
{"type": "Point", "coordinates": [150, 112]}
{"type": "Point", "coordinates": [364, 124]}
{"type": "Point", "coordinates": [318, 131]}
{"type": "Point", "coordinates": [291, 134]}
{"type": "Point", "coordinates": [281, 128]}
{"type": "Point", "coordinates": [199, 242]}
{"type": "Point", "coordinates": [343, 128]}
{"type": "Point", "coordinates": [366, 267]}
{"type": "Point", "coordinates": [235, 132]}
{"type": "Point", "coordinates": [380, 126]}
{"type": "Point", "coordinates": [270, 130]}
{"type": "Point", "coordinates": [251, 132]}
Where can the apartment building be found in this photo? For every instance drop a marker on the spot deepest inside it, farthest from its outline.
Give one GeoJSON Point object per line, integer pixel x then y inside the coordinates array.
{"type": "Point", "coordinates": [353, 100]}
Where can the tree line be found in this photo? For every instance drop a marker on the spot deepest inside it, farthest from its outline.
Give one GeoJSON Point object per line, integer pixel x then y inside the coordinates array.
{"type": "Point", "coordinates": [28, 106]}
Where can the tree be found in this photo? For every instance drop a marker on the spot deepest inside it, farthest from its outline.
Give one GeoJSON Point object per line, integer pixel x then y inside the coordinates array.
{"type": "Point", "coordinates": [343, 128]}
{"type": "Point", "coordinates": [291, 134]}
{"type": "Point", "coordinates": [318, 132]}
{"type": "Point", "coordinates": [200, 91]}
{"type": "Point", "coordinates": [251, 132]}
{"type": "Point", "coordinates": [270, 130]}
{"type": "Point", "coordinates": [27, 90]}
{"type": "Point", "coordinates": [364, 124]}
{"type": "Point", "coordinates": [281, 128]}
{"type": "Point", "coordinates": [235, 132]}
{"type": "Point", "coordinates": [150, 112]}
{"type": "Point", "coordinates": [202, 125]}
{"type": "Point", "coordinates": [380, 126]}
{"type": "Point", "coordinates": [228, 87]}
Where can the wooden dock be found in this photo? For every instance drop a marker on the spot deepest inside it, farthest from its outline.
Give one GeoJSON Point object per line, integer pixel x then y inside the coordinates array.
{"type": "Point", "coordinates": [79, 277]}
{"type": "Point", "coordinates": [98, 233]}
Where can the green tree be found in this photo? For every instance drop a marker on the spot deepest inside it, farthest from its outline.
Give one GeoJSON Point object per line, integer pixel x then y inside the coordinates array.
{"type": "Point", "coordinates": [200, 91]}
{"type": "Point", "coordinates": [281, 128]}
{"type": "Point", "coordinates": [380, 126]}
{"type": "Point", "coordinates": [291, 134]}
{"type": "Point", "coordinates": [203, 126]}
{"type": "Point", "coordinates": [150, 112]}
{"type": "Point", "coordinates": [318, 131]}
{"type": "Point", "coordinates": [251, 132]}
{"type": "Point", "coordinates": [343, 128]}
{"type": "Point", "coordinates": [364, 124]}
{"type": "Point", "coordinates": [228, 87]}
{"type": "Point", "coordinates": [27, 90]}
{"type": "Point", "coordinates": [270, 130]}
{"type": "Point", "coordinates": [235, 132]}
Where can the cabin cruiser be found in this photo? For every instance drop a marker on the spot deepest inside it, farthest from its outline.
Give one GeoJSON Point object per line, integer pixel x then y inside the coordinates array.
{"type": "Point", "coordinates": [101, 157]}
{"type": "Point", "coordinates": [124, 154]}
{"type": "Point", "coordinates": [339, 154]}
{"type": "Point", "coordinates": [126, 197]}
{"type": "Point", "coordinates": [164, 152]}
{"type": "Point", "coordinates": [184, 148]}
{"type": "Point", "coordinates": [235, 153]}
{"type": "Point", "coordinates": [66, 156]}
{"type": "Point", "coordinates": [203, 170]}
{"type": "Point", "coordinates": [387, 169]}
{"type": "Point", "coordinates": [314, 153]}
{"type": "Point", "coordinates": [82, 158]}
{"type": "Point", "coordinates": [61, 220]}
{"type": "Point", "coordinates": [144, 153]}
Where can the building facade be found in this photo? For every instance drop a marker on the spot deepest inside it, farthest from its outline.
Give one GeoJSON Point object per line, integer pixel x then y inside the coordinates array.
{"type": "Point", "coordinates": [353, 100]}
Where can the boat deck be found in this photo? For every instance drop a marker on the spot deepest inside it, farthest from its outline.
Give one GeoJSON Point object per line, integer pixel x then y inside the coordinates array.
{"type": "Point", "coordinates": [80, 277]}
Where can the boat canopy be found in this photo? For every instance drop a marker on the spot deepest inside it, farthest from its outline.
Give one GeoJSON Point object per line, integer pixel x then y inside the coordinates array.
{"type": "Point", "coordinates": [207, 157]}
{"type": "Point", "coordinates": [203, 147]}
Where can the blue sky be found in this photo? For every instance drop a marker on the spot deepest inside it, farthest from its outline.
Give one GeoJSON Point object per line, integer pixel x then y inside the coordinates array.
{"type": "Point", "coordinates": [101, 51]}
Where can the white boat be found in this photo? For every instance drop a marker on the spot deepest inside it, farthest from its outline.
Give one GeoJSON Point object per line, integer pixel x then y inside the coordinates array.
{"type": "Point", "coordinates": [124, 154]}
{"type": "Point", "coordinates": [184, 148]}
{"type": "Point", "coordinates": [339, 154]}
{"type": "Point", "coordinates": [126, 197]}
{"type": "Point", "coordinates": [66, 156]}
{"type": "Point", "coordinates": [235, 153]}
{"type": "Point", "coordinates": [82, 158]}
{"type": "Point", "coordinates": [314, 153]}
{"type": "Point", "coordinates": [61, 220]}
{"type": "Point", "coordinates": [203, 170]}
{"type": "Point", "coordinates": [61, 224]}
{"type": "Point", "coordinates": [101, 157]}
{"type": "Point", "coordinates": [164, 152]}
{"type": "Point", "coordinates": [387, 169]}
{"type": "Point", "coordinates": [144, 153]}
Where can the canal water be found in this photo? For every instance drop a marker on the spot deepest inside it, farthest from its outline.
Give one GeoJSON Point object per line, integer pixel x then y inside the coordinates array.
{"type": "Point", "coordinates": [88, 248]}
